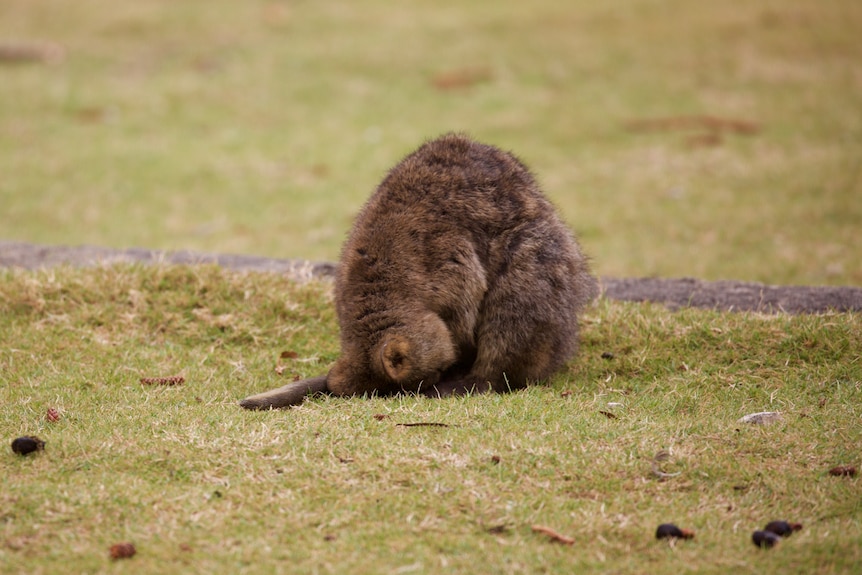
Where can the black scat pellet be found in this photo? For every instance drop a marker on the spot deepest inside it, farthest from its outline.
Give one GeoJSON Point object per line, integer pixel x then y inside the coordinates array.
{"type": "Point", "coordinates": [667, 530]}
{"type": "Point", "coordinates": [782, 528]}
{"type": "Point", "coordinates": [765, 539]}
{"type": "Point", "coordinates": [27, 444]}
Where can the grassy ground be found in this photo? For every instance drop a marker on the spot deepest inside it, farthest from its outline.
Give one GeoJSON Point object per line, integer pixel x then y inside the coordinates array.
{"type": "Point", "coordinates": [338, 486]}
{"type": "Point", "coordinates": [261, 126]}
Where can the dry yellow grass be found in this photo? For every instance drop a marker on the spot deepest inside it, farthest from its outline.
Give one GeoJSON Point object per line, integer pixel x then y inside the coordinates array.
{"type": "Point", "coordinates": [260, 127]}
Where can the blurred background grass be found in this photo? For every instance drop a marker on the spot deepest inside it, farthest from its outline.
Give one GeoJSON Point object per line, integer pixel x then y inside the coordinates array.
{"type": "Point", "coordinates": [261, 126]}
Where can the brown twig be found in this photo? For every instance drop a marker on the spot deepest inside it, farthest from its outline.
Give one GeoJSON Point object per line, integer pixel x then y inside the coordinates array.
{"type": "Point", "coordinates": [554, 535]}
{"type": "Point", "coordinates": [173, 380]}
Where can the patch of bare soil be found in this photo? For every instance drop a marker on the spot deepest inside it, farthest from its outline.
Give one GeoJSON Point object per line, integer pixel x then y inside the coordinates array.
{"type": "Point", "coordinates": [675, 293]}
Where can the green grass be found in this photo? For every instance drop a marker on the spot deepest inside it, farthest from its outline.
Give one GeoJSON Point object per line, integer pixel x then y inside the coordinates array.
{"type": "Point", "coordinates": [260, 127]}
{"type": "Point", "coordinates": [199, 485]}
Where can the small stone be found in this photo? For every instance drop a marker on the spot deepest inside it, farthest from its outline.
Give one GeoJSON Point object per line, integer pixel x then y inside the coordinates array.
{"type": "Point", "coordinates": [765, 539]}
{"type": "Point", "coordinates": [27, 444]}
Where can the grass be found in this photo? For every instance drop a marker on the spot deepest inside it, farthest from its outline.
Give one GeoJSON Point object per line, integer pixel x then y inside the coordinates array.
{"type": "Point", "coordinates": [338, 486]}
{"type": "Point", "coordinates": [260, 127]}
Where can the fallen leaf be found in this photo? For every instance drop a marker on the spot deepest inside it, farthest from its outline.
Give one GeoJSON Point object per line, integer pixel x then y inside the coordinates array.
{"type": "Point", "coordinates": [46, 53]}
{"type": "Point", "coordinates": [761, 418]}
{"type": "Point", "coordinates": [460, 78]}
{"type": "Point", "coordinates": [704, 122]}
{"type": "Point", "coordinates": [708, 140]}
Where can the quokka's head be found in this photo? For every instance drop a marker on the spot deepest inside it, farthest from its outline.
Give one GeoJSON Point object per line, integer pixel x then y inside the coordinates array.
{"type": "Point", "coordinates": [415, 354]}
{"type": "Point", "coordinates": [409, 357]}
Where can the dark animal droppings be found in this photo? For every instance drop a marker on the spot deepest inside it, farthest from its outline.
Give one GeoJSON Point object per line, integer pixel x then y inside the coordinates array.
{"type": "Point", "coordinates": [669, 530]}
{"type": "Point", "coordinates": [843, 471]}
{"type": "Point", "coordinates": [782, 528]}
{"type": "Point", "coordinates": [765, 539]}
{"type": "Point", "coordinates": [27, 444]}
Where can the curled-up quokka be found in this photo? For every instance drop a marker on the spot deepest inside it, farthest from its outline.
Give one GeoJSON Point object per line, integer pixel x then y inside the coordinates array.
{"type": "Point", "coordinates": [458, 276]}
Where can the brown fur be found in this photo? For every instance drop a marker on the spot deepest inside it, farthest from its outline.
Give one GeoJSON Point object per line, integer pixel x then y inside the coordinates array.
{"type": "Point", "coordinates": [457, 276]}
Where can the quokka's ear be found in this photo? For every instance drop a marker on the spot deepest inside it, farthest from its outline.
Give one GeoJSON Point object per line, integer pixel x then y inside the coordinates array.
{"type": "Point", "coordinates": [395, 355]}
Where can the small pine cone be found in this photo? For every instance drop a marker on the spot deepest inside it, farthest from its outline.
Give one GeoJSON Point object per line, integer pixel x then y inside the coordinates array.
{"type": "Point", "coordinates": [122, 550]}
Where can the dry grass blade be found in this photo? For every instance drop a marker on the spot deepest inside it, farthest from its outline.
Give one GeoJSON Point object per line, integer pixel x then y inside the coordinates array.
{"type": "Point", "coordinates": [659, 458]}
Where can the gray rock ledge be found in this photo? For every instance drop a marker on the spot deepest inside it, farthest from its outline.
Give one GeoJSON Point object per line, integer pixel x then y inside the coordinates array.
{"type": "Point", "coordinates": [676, 293]}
